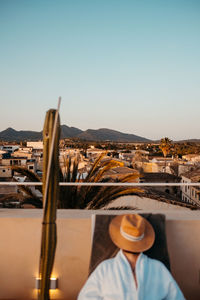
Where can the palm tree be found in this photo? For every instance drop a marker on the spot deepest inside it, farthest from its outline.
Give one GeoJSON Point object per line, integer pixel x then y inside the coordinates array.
{"type": "Point", "coordinates": [165, 145]}
{"type": "Point", "coordinates": [93, 197]}
{"type": "Point", "coordinates": [83, 197]}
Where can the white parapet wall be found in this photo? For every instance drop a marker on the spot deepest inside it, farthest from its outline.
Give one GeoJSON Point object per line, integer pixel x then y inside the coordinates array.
{"type": "Point", "coordinates": [20, 232]}
{"type": "Point", "coordinates": [144, 203]}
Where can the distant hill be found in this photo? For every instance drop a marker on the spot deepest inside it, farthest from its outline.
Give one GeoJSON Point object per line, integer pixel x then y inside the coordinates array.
{"type": "Point", "coordinates": [69, 132]}
{"type": "Point", "coordinates": [189, 141]}
{"type": "Point", "coordinates": [102, 134]}
{"type": "Point", "coordinates": [11, 134]}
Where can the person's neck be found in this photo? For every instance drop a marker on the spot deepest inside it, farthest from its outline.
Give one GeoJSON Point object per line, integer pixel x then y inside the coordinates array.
{"type": "Point", "coordinates": [131, 257]}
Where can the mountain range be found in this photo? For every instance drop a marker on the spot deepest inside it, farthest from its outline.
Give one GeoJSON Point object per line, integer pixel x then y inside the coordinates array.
{"type": "Point", "coordinates": [102, 134]}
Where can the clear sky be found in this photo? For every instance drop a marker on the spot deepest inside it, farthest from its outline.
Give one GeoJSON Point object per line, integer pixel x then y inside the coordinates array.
{"type": "Point", "coordinates": [132, 66]}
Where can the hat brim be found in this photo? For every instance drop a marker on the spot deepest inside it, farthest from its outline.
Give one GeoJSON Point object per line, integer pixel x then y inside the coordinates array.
{"type": "Point", "coordinates": [136, 246]}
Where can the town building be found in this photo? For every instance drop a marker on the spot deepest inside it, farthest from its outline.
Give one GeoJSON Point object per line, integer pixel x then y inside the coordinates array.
{"type": "Point", "coordinates": [162, 178]}
{"type": "Point", "coordinates": [191, 194]}
{"type": "Point", "coordinates": [9, 148]}
{"type": "Point", "coordinates": [193, 158]}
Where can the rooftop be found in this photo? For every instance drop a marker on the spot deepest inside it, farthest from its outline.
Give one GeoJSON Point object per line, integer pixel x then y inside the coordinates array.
{"type": "Point", "coordinates": [194, 175]}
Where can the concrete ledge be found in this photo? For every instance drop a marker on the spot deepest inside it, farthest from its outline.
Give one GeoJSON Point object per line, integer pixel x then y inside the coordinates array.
{"type": "Point", "coordinates": [84, 214]}
{"type": "Point", "coordinates": [20, 232]}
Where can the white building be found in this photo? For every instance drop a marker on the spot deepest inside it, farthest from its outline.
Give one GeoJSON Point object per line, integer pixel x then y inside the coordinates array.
{"type": "Point", "coordinates": [184, 168]}
{"type": "Point", "coordinates": [35, 145]}
{"type": "Point", "coordinates": [14, 161]}
{"type": "Point", "coordinates": [10, 148]}
{"type": "Point", "coordinates": [193, 158]}
{"type": "Point", "coordinates": [191, 194]}
{"type": "Point", "coordinates": [5, 172]}
{"type": "Point", "coordinates": [156, 165]}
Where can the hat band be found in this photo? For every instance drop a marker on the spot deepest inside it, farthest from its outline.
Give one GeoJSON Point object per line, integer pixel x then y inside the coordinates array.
{"type": "Point", "coordinates": [131, 237]}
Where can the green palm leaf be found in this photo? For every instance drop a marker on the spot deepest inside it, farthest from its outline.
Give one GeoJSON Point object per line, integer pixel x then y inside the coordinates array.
{"type": "Point", "coordinates": [32, 177]}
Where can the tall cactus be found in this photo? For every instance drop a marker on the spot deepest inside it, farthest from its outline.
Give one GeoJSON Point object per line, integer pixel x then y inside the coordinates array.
{"type": "Point", "coordinates": [50, 196]}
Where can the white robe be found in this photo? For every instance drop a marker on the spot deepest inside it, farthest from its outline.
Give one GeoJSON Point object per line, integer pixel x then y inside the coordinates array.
{"type": "Point", "coordinates": [113, 280]}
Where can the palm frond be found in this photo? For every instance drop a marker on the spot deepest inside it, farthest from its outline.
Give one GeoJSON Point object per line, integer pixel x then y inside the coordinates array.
{"type": "Point", "coordinates": [94, 196]}
{"type": "Point", "coordinates": [12, 197]}
{"type": "Point", "coordinates": [121, 208]}
{"type": "Point", "coordinates": [129, 178]}
{"type": "Point", "coordinates": [109, 166]}
{"type": "Point", "coordinates": [68, 174]}
{"type": "Point", "coordinates": [36, 202]}
{"type": "Point", "coordinates": [114, 162]}
{"type": "Point", "coordinates": [75, 170]}
{"type": "Point", "coordinates": [29, 174]}
{"type": "Point", "coordinates": [94, 167]}
{"type": "Point", "coordinates": [27, 190]}
{"type": "Point", "coordinates": [97, 173]}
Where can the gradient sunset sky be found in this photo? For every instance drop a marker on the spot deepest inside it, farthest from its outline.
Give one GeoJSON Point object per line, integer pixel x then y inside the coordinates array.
{"type": "Point", "coordinates": [132, 66]}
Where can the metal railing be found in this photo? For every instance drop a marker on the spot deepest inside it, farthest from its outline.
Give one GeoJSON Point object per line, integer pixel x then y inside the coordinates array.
{"type": "Point", "coordinates": [193, 184]}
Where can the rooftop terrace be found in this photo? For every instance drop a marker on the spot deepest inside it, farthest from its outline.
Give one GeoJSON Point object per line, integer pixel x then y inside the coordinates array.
{"type": "Point", "coordinates": [20, 232]}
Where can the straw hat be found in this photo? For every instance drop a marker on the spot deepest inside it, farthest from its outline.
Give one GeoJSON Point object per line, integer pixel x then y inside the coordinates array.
{"type": "Point", "coordinates": [131, 233]}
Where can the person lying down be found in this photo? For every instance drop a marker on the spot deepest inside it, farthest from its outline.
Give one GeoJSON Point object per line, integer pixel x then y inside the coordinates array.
{"type": "Point", "coordinates": [131, 275]}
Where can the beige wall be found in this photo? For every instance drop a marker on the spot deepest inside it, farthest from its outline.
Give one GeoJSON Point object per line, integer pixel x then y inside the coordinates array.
{"type": "Point", "coordinates": [22, 154]}
{"type": "Point", "coordinates": [20, 232]}
{"type": "Point", "coordinates": [20, 250]}
{"type": "Point", "coordinates": [144, 203]}
{"type": "Point", "coordinates": [5, 171]}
